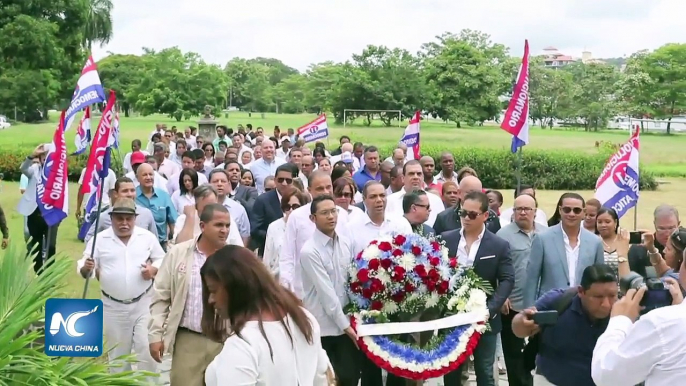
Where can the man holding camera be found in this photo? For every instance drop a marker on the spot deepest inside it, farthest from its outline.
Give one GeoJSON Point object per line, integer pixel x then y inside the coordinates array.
{"type": "Point", "coordinates": [652, 349]}
{"type": "Point", "coordinates": [565, 324]}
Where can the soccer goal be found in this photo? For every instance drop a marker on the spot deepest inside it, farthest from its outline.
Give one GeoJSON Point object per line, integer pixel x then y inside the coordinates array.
{"type": "Point", "coordinates": [347, 113]}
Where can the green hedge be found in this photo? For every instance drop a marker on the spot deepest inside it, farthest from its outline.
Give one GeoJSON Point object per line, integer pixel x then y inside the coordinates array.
{"type": "Point", "coordinates": [556, 170]}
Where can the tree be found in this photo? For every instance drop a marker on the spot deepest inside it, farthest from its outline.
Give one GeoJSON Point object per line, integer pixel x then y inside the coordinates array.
{"type": "Point", "coordinates": [593, 92]}
{"type": "Point", "coordinates": [40, 49]}
{"type": "Point", "coordinates": [99, 26]}
{"type": "Point", "coordinates": [466, 75]}
{"type": "Point", "coordinates": [122, 73]}
{"type": "Point", "coordinates": [289, 94]}
{"type": "Point", "coordinates": [548, 93]}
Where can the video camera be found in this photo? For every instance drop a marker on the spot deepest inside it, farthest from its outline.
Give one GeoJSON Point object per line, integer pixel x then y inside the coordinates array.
{"type": "Point", "coordinates": [657, 294]}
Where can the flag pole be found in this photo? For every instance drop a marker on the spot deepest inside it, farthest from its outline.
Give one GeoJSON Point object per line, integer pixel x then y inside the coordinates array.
{"type": "Point", "coordinates": [101, 186]}
{"type": "Point", "coordinates": [519, 169]}
{"type": "Point", "coordinates": [631, 134]}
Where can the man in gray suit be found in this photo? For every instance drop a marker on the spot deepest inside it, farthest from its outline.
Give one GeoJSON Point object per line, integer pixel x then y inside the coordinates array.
{"type": "Point", "coordinates": [560, 254]}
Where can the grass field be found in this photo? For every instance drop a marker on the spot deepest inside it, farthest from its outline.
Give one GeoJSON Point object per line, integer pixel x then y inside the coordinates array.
{"type": "Point", "coordinates": [660, 154]}
{"type": "Point", "coordinates": [69, 246]}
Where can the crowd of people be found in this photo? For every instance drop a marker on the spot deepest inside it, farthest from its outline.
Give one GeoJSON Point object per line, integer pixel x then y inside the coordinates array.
{"type": "Point", "coordinates": [224, 260]}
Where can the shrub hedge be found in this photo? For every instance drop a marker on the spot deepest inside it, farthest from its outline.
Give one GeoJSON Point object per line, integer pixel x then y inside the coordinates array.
{"type": "Point", "coordinates": [546, 169]}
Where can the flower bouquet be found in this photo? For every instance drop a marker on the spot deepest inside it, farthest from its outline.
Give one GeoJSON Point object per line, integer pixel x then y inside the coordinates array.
{"type": "Point", "coordinates": [417, 313]}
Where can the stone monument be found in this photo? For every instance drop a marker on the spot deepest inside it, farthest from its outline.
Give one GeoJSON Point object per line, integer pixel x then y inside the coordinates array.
{"type": "Point", "coordinates": [207, 125]}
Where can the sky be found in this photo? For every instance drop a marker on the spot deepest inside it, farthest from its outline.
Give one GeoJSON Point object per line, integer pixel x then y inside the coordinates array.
{"type": "Point", "coordinates": [303, 32]}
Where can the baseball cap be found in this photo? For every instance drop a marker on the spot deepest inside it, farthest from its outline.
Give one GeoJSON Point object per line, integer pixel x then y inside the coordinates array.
{"type": "Point", "coordinates": [347, 157]}
{"type": "Point", "coordinates": [285, 137]}
{"type": "Point", "coordinates": [124, 206]}
{"type": "Point", "coordinates": [137, 158]}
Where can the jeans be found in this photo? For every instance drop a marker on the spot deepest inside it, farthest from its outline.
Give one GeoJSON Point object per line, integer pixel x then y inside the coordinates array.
{"type": "Point", "coordinates": [512, 352]}
{"type": "Point", "coordinates": [484, 359]}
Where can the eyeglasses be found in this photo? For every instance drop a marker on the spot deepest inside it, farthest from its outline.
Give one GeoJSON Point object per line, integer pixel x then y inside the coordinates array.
{"type": "Point", "coordinates": [427, 206]}
{"type": "Point", "coordinates": [523, 209]}
{"type": "Point", "coordinates": [327, 213]}
{"type": "Point", "coordinates": [344, 195]}
{"type": "Point", "coordinates": [472, 215]}
{"type": "Point", "coordinates": [268, 189]}
{"type": "Point", "coordinates": [281, 180]}
{"type": "Point", "coordinates": [576, 210]}
{"type": "Point", "coordinates": [286, 208]}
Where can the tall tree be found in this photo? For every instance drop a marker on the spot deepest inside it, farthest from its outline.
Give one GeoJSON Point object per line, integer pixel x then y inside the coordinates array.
{"type": "Point", "coordinates": [122, 73]}
{"type": "Point", "coordinates": [99, 26]}
{"type": "Point", "coordinates": [548, 93]}
{"type": "Point", "coordinates": [593, 92]}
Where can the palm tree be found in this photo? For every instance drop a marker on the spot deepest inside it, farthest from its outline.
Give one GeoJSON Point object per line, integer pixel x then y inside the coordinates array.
{"type": "Point", "coordinates": [99, 26]}
{"type": "Point", "coordinates": [22, 301]}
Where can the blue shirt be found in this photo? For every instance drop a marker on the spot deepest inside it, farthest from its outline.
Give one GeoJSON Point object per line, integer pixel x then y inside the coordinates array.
{"type": "Point", "coordinates": [363, 176]}
{"type": "Point", "coordinates": [262, 169]}
{"type": "Point", "coordinates": [566, 350]}
{"type": "Point", "coordinates": [160, 204]}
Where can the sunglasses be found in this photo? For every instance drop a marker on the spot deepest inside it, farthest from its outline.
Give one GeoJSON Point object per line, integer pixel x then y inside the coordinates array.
{"type": "Point", "coordinates": [344, 195]}
{"type": "Point", "coordinates": [281, 180]}
{"type": "Point", "coordinates": [472, 215]}
{"type": "Point", "coordinates": [576, 210]}
{"type": "Point", "coordinates": [286, 208]}
{"type": "Point", "coordinates": [427, 207]}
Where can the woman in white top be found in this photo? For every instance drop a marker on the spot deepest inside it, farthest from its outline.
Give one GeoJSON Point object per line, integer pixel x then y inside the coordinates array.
{"type": "Point", "coordinates": [607, 228]}
{"type": "Point", "coordinates": [344, 196]}
{"type": "Point", "coordinates": [188, 180]}
{"type": "Point", "coordinates": [272, 339]}
{"type": "Point", "coordinates": [246, 159]}
{"type": "Point", "coordinates": [277, 230]}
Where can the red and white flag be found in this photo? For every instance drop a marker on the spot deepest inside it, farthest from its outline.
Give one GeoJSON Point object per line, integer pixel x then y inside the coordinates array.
{"type": "Point", "coordinates": [101, 141]}
{"type": "Point", "coordinates": [54, 179]}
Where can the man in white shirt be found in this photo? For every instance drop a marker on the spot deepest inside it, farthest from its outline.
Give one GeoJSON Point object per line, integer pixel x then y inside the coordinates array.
{"type": "Point", "coordinates": [413, 177]}
{"type": "Point", "coordinates": [375, 223]}
{"type": "Point", "coordinates": [165, 167]}
{"type": "Point", "coordinates": [187, 224]}
{"type": "Point", "coordinates": [219, 179]}
{"type": "Point", "coordinates": [135, 146]}
{"type": "Point", "coordinates": [137, 159]}
{"type": "Point", "coordinates": [323, 261]}
{"type": "Point", "coordinates": [300, 228]}
{"type": "Point", "coordinates": [190, 139]}
{"type": "Point", "coordinates": [125, 261]}
{"type": "Point", "coordinates": [285, 148]}
{"type": "Point", "coordinates": [266, 166]}
{"type": "Point", "coordinates": [239, 143]}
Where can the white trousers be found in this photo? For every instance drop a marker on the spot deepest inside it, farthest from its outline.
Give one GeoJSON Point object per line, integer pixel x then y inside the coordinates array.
{"type": "Point", "coordinates": [126, 329]}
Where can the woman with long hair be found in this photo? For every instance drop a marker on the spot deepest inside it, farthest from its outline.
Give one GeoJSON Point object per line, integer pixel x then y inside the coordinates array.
{"type": "Point", "coordinates": [344, 193]}
{"type": "Point", "coordinates": [272, 339]}
{"type": "Point", "coordinates": [555, 218]}
{"type": "Point", "coordinates": [276, 232]}
{"type": "Point", "coordinates": [208, 149]}
{"type": "Point", "coordinates": [340, 172]}
{"type": "Point", "coordinates": [188, 181]}
{"type": "Point", "coordinates": [247, 178]}
{"type": "Point", "coordinates": [615, 240]}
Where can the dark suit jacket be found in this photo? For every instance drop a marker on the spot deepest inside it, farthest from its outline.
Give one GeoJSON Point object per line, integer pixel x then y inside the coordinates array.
{"type": "Point", "coordinates": [494, 264]}
{"type": "Point", "coordinates": [449, 220]}
{"type": "Point", "coordinates": [266, 210]}
{"type": "Point", "coordinates": [246, 195]}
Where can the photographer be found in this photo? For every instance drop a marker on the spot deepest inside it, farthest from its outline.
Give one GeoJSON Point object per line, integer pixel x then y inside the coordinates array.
{"type": "Point", "coordinates": [652, 350]}
{"type": "Point", "coordinates": [666, 221]}
{"type": "Point", "coordinates": [565, 324]}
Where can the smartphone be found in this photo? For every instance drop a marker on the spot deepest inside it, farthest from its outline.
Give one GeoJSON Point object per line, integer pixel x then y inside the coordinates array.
{"type": "Point", "coordinates": [635, 237]}
{"type": "Point", "coordinates": [545, 318]}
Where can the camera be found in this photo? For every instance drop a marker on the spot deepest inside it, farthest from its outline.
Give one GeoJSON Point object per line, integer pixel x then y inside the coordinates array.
{"type": "Point", "coordinates": [657, 294]}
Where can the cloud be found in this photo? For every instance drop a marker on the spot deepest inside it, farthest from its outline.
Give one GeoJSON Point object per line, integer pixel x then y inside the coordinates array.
{"type": "Point", "coordinates": [302, 32]}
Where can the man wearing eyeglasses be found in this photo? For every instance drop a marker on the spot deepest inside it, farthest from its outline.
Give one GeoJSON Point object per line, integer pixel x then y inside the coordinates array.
{"type": "Point", "coordinates": [560, 254]}
{"type": "Point", "coordinates": [267, 207]}
{"type": "Point", "coordinates": [519, 234]}
{"type": "Point", "coordinates": [475, 246]}
{"type": "Point", "coordinates": [666, 221]}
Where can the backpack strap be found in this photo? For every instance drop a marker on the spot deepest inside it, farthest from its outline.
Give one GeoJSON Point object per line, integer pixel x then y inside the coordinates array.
{"type": "Point", "coordinates": [565, 300]}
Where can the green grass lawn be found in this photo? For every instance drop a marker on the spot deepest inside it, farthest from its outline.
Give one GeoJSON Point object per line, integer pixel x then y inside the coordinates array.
{"type": "Point", "coordinates": [68, 246]}
{"type": "Point", "coordinates": [660, 154]}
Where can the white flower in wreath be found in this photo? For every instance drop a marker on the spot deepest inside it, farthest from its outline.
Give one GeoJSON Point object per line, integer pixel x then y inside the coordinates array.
{"type": "Point", "coordinates": [407, 261]}
{"type": "Point", "coordinates": [457, 304]}
{"type": "Point", "coordinates": [384, 277]}
{"type": "Point", "coordinates": [389, 308]}
{"type": "Point", "coordinates": [432, 301]}
{"type": "Point", "coordinates": [477, 300]}
{"type": "Point", "coordinates": [371, 252]}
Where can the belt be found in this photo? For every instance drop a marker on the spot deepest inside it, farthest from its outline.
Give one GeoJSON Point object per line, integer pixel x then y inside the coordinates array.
{"type": "Point", "coordinates": [127, 301]}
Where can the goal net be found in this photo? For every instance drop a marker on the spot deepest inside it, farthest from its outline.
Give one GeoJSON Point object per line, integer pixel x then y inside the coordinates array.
{"type": "Point", "coordinates": [385, 116]}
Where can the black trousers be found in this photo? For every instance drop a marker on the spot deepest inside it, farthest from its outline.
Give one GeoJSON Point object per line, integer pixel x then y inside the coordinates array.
{"type": "Point", "coordinates": [371, 375]}
{"type": "Point", "coordinates": [40, 233]}
{"type": "Point", "coordinates": [512, 351]}
{"type": "Point", "coordinates": [484, 358]}
{"type": "Point", "coordinates": [344, 357]}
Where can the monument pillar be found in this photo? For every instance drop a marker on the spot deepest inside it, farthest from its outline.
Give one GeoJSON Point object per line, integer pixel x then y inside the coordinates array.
{"type": "Point", "coordinates": [207, 125]}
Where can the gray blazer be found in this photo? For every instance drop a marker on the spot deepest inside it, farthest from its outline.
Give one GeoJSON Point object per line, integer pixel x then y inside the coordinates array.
{"type": "Point", "coordinates": [548, 269]}
{"type": "Point", "coordinates": [27, 203]}
{"type": "Point", "coordinates": [246, 196]}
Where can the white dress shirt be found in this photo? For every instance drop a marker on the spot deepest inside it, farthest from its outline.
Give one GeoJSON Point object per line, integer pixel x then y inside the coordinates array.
{"type": "Point", "coordinates": [234, 235]}
{"type": "Point", "coordinates": [173, 182]}
{"type": "Point", "coordinates": [355, 214]}
{"type": "Point", "coordinates": [159, 182]}
{"type": "Point", "coordinates": [126, 164]}
{"type": "Point", "coordinates": [394, 206]}
{"type": "Point", "coordinates": [276, 232]}
{"type": "Point", "coordinates": [238, 216]}
{"type": "Point", "coordinates": [572, 257]}
{"type": "Point", "coordinates": [299, 229]}
{"type": "Point", "coordinates": [168, 168]}
{"type": "Point", "coordinates": [651, 350]}
{"type": "Point", "coordinates": [288, 360]}
{"type": "Point", "coordinates": [364, 230]}
{"type": "Point", "coordinates": [464, 257]}
{"type": "Point", "coordinates": [181, 201]}
{"type": "Point", "coordinates": [120, 264]}
{"type": "Point", "coordinates": [324, 262]}
{"type": "Point", "coordinates": [506, 217]}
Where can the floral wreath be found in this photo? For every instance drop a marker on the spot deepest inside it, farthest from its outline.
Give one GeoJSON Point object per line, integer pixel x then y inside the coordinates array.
{"type": "Point", "coordinates": [407, 278]}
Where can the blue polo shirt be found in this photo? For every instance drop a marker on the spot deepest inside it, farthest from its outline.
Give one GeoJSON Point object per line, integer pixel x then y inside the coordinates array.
{"type": "Point", "coordinates": [566, 350]}
{"type": "Point", "coordinates": [162, 208]}
{"type": "Point", "coordinates": [363, 176]}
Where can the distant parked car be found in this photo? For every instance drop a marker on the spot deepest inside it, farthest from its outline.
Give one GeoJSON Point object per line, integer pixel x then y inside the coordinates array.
{"type": "Point", "coordinates": [4, 122]}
